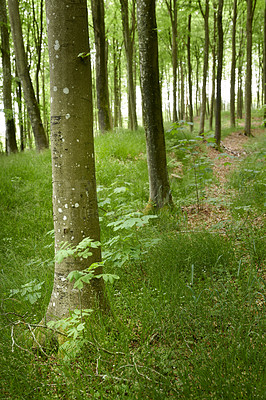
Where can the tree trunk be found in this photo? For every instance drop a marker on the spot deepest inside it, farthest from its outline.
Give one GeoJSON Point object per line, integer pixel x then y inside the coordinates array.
{"type": "Point", "coordinates": [264, 65]}
{"type": "Point", "coordinates": [11, 144]}
{"type": "Point", "coordinates": [219, 75]}
{"type": "Point", "coordinates": [104, 115]}
{"type": "Point", "coordinates": [212, 108]}
{"type": "Point", "coordinates": [129, 47]}
{"type": "Point", "coordinates": [190, 85]}
{"type": "Point", "coordinates": [23, 73]}
{"type": "Point", "coordinates": [20, 114]}
{"type": "Point", "coordinates": [248, 87]}
{"type": "Point", "coordinates": [233, 69]}
{"type": "Point", "coordinates": [160, 193]}
{"type": "Point", "coordinates": [205, 66]}
{"type": "Point", "coordinates": [74, 185]}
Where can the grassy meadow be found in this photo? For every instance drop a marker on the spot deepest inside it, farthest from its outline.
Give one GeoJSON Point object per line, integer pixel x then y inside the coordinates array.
{"type": "Point", "coordinates": [187, 312]}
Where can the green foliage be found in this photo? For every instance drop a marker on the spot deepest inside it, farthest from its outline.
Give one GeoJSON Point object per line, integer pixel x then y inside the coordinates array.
{"type": "Point", "coordinates": [187, 311]}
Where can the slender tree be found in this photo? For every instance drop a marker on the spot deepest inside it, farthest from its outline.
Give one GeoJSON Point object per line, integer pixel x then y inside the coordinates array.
{"type": "Point", "coordinates": [23, 73]}
{"type": "Point", "coordinates": [129, 35]}
{"type": "Point", "coordinates": [172, 10]}
{"type": "Point", "coordinates": [205, 14]}
{"type": "Point", "coordinates": [160, 193]}
{"type": "Point", "coordinates": [251, 4]}
{"type": "Point", "coordinates": [104, 114]}
{"type": "Point", "coordinates": [214, 46]}
{"type": "Point", "coordinates": [219, 74]}
{"type": "Point", "coordinates": [233, 68]}
{"type": "Point", "coordinates": [74, 185]}
{"type": "Point", "coordinates": [264, 64]}
{"type": "Point", "coordinates": [190, 83]}
{"type": "Point", "coordinates": [11, 144]}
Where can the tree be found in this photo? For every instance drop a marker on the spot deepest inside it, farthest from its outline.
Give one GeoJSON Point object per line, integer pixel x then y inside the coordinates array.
{"type": "Point", "coordinates": [129, 35]}
{"type": "Point", "coordinates": [264, 64]}
{"type": "Point", "coordinates": [74, 185]}
{"type": "Point", "coordinates": [11, 144]}
{"type": "Point", "coordinates": [214, 45]}
{"type": "Point", "coordinates": [219, 74]}
{"type": "Point", "coordinates": [172, 10]}
{"type": "Point", "coordinates": [251, 4]}
{"type": "Point", "coordinates": [104, 114]}
{"type": "Point", "coordinates": [190, 86]}
{"type": "Point", "coordinates": [205, 15]}
{"type": "Point", "coordinates": [233, 69]}
{"type": "Point", "coordinates": [160, 193]}
{"type": "Point", "coordinates": [23, 73]}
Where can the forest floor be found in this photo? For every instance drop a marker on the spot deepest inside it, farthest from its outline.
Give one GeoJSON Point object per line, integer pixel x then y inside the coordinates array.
{"type": "Point", "coordinates": [216, 207]}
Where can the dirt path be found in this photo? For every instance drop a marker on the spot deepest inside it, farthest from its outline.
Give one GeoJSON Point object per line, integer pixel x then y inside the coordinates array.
{"type": "Point", "coordinates": [215, 208]}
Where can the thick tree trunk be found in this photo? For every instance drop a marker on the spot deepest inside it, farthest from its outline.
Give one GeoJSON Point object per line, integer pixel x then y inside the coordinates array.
{"type": "Point", "coordinates": [23, 73]}
{"type": "Point", "coordinates": [74, 185]}
{"type": "Point", "coordinates": [129, 48]}
{"type": "Point", "coordinates": [11, 144]}
{"type": "Point", "coordinates": [205, 15]}
{"type": "Point", "coordinates": [104, 114]}
{"type": "Point", "coordinates": [160, 193]}
{"type": "Point", "coordinates": [233, 69]}
{"type": "Point", "coordinates": [172, 10]}
{"type": "Point", "coordinates": [190, 84]}
{"type": "Point", "coordinates": [219, 75]}
{"type": "Point", "coordinates": [248, 87]}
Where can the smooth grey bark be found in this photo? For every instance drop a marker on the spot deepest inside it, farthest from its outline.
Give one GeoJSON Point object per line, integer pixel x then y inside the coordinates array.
{"type": "Point", "coordinates": [205, 15]}
{"type": "Point", "coordinates": [129, 35]}
{"type": "Point", "coordinates": [190, 85]}
{"type": "Point", "coordinates": [11, 144]}
{"type": "Point", "coordinates": [41, 141]}
{"type": "Point", "coordinates": [219, 75]}
{"type": "Point", "coordinates": [212, 105]}
{"type": "Point", "coordinates": [104, 114]}
{"type": "Point", "coordinates": [172, 10]}
{"type": "Point", "coordinates": [73, 163]}
{"type": "Point", "coordinates": [233, 68]}
{"type": "Point", "coordinates": [251, 4]}
{"type": "Point", "coordinates": [264, 65]}
{"type": "Point", "coordinates": [160, 193]}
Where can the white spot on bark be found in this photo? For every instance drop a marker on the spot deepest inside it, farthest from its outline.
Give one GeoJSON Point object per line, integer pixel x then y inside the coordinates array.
{"type": "Point", "coordinates": [64, 217]}
{"type": "Point", "coordinates": [56, 45]}
{"type": "Point", "coordinates": [57, 56]}
{"type": "Point", "coordinates": [66, 205]}
{"type": "Point", "coordinates": [73, 188]}
{"type": "Point", "coordinates": [77, 140]}
{"type": "Point", "coordinates": [66, 90]}
{"type": "Point", "coordinates": [51, 100]}
{"type": "Point", "coordinates": [53, 304]}
{"type": "Point", "coordinates": [67, 116]}
{"type": "Point", "coordinates": [52, 65]}
{"type": "Point", "coordinates": [63, 279]}
{"type": "Point", "coordinates": [55, 88]}
{"type": "Point", "coordinates": [76, 205]}
{"type": "Point", "coordinates": [72, 238]}
{"type": "Point", "coordinates": [60, 210]}
{"type": "Point", "coordinates": [48, 21]}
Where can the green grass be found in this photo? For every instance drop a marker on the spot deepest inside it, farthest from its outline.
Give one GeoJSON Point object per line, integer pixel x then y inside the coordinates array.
{"type": "Point", "coordinates": [187, 317]}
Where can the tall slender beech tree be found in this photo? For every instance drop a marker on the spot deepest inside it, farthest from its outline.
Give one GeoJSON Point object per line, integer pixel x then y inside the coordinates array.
{"type": "Point", "coordinates": [160, 193]}
{"type": "Point", "coordinates": [264, 64]}
{"type": "Point", "coordinates": [251, 4]}
{"type": "Point", "coordinates": [104, 113]}
{"type": "Point", "coordinates": [74, 185]}
{"type": "Point", "coordinates": [129, 35]}
{"type": "Point", "coordinates": [233, 69]}
{"type": "Point", "coordinates": [205, 14]}
{"type": "Point", "coordinates": [219, 74]}
{"type": "Point", "coordinates": [23, 74]}
{"type": "Point", "coordinates": [190, 84]}
{"type": "Point", "coordinates": [11, 144]}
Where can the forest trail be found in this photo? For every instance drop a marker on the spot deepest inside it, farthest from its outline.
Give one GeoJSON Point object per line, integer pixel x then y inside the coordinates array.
{"type": "Point", "coordinates": [214, 210]}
